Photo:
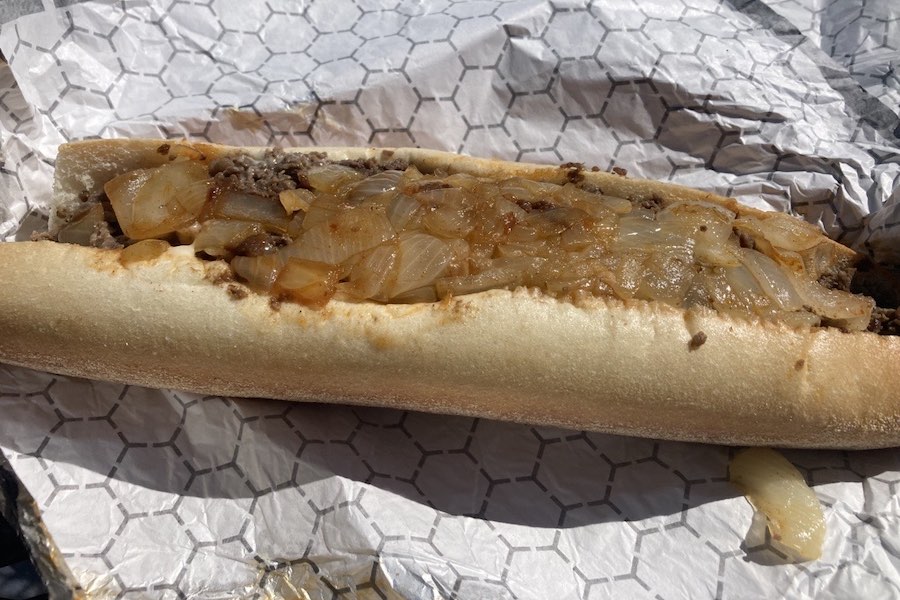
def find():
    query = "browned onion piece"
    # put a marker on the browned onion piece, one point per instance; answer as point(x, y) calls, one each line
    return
point(781, 230)
point(667, 277)
point(325, 207)
point(403, 211)
point(331, 177)
point(296, 200)
point(370, 275)
point(345, 235)
point(521, 189)
point(588, 233)
point(446, 213)
point(421, 259)
point(775, 282)
point(82, 229)
point(386, 181)
point(219, 237)
point(307, 282)
point(620, 206)
point(743, 291)
point(142, 251)
point(491, 279)
point(259, 272)
point(840, 309)
point(425, 293)
point(242, 206)
point(154, 202)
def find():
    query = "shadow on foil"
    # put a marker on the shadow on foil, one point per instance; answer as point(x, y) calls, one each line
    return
point(222, 448)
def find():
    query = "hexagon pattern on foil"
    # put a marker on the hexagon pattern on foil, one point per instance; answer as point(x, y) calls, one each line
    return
point(340, 501)
point(690, 91)
point(346, 502)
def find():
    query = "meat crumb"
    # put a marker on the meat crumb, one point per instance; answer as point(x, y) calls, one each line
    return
point(620, 171)
point(222, 276)
point(164, 149)
point(837, 278)
point(697, 340)
point(574, 173)
point(538, 205)
point(654, 204)
point(885, 321)
point(236, 292)
point(745, 240)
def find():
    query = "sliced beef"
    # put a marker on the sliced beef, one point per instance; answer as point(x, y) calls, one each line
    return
point(275, 172)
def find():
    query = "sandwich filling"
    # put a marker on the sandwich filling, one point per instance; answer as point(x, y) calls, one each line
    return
point(303, 228)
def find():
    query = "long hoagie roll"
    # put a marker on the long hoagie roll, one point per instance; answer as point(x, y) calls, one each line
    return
point(430, 281)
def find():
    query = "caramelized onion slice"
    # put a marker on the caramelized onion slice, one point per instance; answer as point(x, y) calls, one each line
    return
point(774, 280)
point(777, 489)
point(840, 309)
point(259, 272)
point(296, 200)
point(242, 206)
point(155, 202)
point(369, 276)
point(219, 237)
point(386, 181)
point(307, 282)
point(331, 177)
point(421, 259)
point(142, 251)
point(497, 278)
point(348, 233)
point(781, 230)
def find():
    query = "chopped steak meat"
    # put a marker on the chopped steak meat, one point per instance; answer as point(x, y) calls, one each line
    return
point(885, 321)
point(274, 173)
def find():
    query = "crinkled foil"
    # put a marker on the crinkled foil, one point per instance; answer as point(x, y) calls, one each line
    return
point(789, 105)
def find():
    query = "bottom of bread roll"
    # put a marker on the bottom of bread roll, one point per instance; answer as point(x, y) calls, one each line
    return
point(636, 369)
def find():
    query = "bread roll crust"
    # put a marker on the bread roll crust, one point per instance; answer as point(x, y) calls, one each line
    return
point(602, 364)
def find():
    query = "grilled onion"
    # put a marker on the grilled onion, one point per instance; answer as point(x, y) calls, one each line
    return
point(345, 235)
point(837, 308)
point(331, 177)
point(421, 259)
point(774, 281)
point(386, 181)
point(143, 250)
point(401, 236)
point(777, 489)
point(259, 272)
point(781, 230)
point(296, 199)
point(307, 282)
point(219, 237)
point(154, 202)
point(242, 206)
point(369, 276)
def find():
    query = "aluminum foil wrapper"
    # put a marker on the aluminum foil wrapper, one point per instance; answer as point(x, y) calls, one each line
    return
point(790, 105)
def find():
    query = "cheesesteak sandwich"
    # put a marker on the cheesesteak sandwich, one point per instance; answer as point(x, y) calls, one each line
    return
point(431, 281)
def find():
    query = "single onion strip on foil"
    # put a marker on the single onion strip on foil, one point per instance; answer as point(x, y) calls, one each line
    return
point(777, 489)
